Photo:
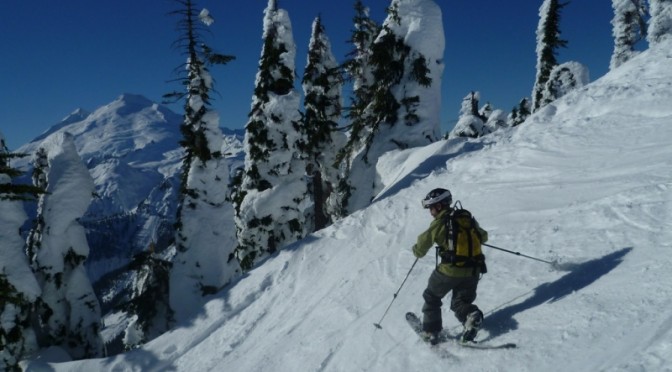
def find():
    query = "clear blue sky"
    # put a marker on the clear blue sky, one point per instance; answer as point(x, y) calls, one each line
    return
point(58, 56)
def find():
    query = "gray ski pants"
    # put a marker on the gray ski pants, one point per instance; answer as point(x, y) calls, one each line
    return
point(461, 303)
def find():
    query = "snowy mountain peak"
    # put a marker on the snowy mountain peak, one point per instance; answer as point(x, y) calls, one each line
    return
point(128, 103)
point(78, 115)
point(134, 99)
point(120, 128)
point(74, 117)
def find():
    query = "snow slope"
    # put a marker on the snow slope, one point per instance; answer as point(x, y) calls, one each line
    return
point(586, 181)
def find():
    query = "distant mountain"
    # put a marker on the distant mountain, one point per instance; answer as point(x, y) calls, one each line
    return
point(74, 117)
point(131, 147)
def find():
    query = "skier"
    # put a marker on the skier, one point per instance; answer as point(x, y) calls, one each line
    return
point(457, 275)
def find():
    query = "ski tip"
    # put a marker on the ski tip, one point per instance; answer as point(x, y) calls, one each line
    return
point(508, 345)
point(486, 346)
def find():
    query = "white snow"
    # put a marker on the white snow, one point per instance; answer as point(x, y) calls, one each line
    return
point(586, 181)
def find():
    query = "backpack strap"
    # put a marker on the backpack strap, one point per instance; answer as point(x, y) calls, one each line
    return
point(448, 255)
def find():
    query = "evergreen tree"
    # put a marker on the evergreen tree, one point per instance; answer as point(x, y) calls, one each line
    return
point(548, 41)
point(272, 195)
point(399, 69)
point(359, 71)
point(519, 113)
point(205, 234)
point(563, 79)
point(629, 27)
point(496, 120)
point(18, 287)
point(660, 24)
point(39, 177)
point(322, 86)
point(485, 111)
point(150, 311)
point(67, 309)
point(8, 190)
point(403, 83)
point(470, 123)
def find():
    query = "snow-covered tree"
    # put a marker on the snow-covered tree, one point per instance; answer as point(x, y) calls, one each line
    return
point(476, 122)
point(519, 113)
point(485, 111)
point(67, 309)
point(497, 119)
point(8, 190)
point(39, 177)
point(548, 41)
point(322, 85)
point(471, 122)
point(629, 27)
point(272, 196)
point(564, 78)
point(358, 70)
point(660, 24)
point(205, 233)
point(18, 287)
point(406, 61)
point(148, 306)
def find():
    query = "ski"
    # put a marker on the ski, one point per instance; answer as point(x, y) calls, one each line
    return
point(476, 345)
point(416, 324)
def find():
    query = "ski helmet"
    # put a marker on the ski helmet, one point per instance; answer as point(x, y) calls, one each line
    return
point(437, 196)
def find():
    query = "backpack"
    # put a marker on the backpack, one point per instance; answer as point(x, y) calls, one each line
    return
point(464, 240)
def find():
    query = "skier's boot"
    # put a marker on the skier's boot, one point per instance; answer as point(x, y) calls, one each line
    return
point(431, 337)
point(471, 326)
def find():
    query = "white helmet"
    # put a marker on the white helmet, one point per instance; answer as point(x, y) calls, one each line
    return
point(437, 196)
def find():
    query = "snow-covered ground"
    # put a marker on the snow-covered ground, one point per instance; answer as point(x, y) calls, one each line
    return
point(587, 181)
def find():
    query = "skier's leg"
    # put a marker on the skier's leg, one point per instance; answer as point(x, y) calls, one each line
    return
point(437, 287)
point(463, 297)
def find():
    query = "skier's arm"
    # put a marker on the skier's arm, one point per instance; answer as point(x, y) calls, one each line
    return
point(423, 244)
point(426, 239)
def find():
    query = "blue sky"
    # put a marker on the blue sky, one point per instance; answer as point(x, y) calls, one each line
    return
point(62, 55)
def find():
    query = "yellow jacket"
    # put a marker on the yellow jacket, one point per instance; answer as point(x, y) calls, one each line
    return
point(436, 234)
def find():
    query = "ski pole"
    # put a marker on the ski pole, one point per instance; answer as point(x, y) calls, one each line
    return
point(377, 325)
point(520, 254)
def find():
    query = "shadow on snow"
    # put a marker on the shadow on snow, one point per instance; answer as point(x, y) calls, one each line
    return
point(581, 275)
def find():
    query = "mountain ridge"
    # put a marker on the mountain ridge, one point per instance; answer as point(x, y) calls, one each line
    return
point(131, 148)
